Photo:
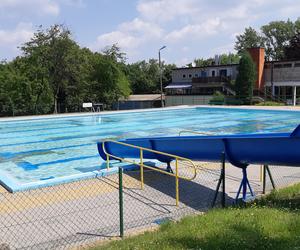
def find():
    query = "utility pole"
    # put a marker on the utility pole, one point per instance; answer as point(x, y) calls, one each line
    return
point(160, 69)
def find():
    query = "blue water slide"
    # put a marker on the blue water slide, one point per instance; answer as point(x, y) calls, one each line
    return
point(240, 150)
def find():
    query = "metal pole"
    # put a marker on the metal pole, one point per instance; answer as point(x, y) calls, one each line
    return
point(271, 178)
point(121, 202)
point(294, 96)
point(160, 77)
point(221, 181)
point(264, 179)
point(223, 184)
point(177, 183)
point(142, 169)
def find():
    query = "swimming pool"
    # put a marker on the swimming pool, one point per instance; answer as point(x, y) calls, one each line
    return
point(40, 152)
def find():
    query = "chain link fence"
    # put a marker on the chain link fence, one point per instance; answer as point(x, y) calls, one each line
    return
point(87, 211)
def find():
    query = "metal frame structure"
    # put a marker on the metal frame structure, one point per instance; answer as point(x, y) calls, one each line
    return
point(142, 165)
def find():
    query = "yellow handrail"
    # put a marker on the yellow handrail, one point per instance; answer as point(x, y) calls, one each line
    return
point(193, 132)
point(142, 165)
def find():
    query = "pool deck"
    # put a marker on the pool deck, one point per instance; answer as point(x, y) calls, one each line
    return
point(85, 211)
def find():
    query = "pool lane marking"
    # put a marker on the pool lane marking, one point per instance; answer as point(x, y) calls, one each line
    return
point(10, 155)
point(27, 166)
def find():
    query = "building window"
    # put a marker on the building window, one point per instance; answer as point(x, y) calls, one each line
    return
point(297, 64)
point(203, 73)
point(196, 75)
point(190, 75)
point(223, 72)
point(213, 73)
point(183, 76)
point(287, 65)
point(277, 66)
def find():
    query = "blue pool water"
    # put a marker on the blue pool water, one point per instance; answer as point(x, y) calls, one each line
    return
point(40, 152)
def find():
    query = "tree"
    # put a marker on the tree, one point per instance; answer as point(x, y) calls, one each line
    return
point(52, 51)
point(108, 81)
point(292, 51)
point(274, 37)
point(245, 79)
point(229, 58)
point(249, 39)
point(277, 35)
point(201, 62)
point(115, 53)
point(144, 76)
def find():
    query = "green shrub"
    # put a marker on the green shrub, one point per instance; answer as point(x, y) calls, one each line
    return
point(269, 104)
point(233, 101)
point(218, 98)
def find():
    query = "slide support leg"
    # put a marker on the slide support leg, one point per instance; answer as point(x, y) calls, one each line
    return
point(221, 181)
point(271, 177)
point(264, 179)
point(169, 169)
point(245, 184)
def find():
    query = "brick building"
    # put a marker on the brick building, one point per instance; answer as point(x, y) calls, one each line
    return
point(276, 80)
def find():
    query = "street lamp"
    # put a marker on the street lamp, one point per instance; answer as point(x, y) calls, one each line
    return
point(161, 87)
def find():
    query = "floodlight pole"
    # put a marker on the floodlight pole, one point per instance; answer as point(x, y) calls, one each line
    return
point(160, 69)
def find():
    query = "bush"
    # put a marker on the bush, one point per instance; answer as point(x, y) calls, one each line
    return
point(233, 101)
point(218, 99)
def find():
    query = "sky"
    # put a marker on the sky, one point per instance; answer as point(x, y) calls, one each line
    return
point(188, 28)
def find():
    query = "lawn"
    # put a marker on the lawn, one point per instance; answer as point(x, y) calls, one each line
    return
point(270, 223)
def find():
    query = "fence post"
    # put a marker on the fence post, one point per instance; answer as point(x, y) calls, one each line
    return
point(121, 202)
point(264, 179)
point(223, 184)
point(142, 168)
point(177, 183)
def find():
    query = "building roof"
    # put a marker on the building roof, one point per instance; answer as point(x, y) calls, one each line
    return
point(209, 66)
point(282, 61)
point(146, 97)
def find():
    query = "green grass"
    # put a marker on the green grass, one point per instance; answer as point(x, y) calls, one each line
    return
point(269, 223)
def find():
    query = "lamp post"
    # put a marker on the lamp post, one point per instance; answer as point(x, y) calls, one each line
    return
point(160, 69)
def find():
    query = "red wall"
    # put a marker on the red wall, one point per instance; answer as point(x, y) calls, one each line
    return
point(258, 56)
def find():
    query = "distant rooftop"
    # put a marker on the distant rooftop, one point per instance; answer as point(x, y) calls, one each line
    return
point(209, 66)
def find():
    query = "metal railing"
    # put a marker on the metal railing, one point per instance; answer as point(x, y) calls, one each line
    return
point(142, 165)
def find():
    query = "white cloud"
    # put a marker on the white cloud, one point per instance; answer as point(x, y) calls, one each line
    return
point(11, 39)
point(76, 3)
point(125, 41)
point(141, 28)
point(23, 32)
point(34, 6)
point(223, 49)
point(166, 10)
point(192, 31)
point(129, 35)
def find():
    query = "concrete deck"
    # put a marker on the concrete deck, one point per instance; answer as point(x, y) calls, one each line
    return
point(86, 211)
point(33, 117)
